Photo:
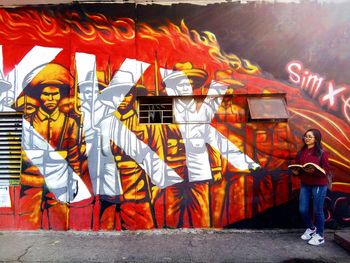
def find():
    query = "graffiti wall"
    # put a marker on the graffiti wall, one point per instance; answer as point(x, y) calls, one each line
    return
point(142, 116)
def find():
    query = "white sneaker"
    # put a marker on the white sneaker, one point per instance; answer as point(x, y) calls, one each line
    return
point(316, 240)
point(308, 234)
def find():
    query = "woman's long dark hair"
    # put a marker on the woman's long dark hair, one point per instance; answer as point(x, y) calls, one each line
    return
point(318, 139)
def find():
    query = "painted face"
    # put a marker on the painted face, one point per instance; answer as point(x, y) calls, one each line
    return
point(309, 139)
point(87, 94)
point(184, 87)
point(29, 108)
point(122, 102)
point(49, 98)
point(117, 100)
point(126, 103)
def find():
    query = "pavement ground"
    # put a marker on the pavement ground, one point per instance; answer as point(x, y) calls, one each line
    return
point(181, 245)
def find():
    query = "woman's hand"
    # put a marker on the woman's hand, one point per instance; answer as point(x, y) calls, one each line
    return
point(309, 169)
point(295, 171)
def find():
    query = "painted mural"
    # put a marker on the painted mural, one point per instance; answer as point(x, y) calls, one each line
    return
point(78, 73)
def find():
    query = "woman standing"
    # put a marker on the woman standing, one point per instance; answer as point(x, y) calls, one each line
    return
point(313, 186)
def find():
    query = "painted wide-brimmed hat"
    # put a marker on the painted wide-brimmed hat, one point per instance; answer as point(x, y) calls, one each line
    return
point(26, 104)
point(50, 74)
point(89, 80)
point(120, 84)
point(185, 70)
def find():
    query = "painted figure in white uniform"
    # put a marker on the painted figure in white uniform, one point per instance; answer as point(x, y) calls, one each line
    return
point(127, 159)
point(193, 118)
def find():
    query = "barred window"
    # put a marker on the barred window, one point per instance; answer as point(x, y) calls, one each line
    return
point(10, 147)
point(155, 110)
point(268, 108)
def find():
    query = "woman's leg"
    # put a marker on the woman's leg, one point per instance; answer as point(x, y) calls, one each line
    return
point(304, 205)
point(319, 195)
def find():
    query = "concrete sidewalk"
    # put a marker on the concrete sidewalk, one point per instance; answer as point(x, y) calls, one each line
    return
point(185, 245)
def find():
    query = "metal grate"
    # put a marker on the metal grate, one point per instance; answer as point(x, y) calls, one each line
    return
point(156, 110)
point(10, 147)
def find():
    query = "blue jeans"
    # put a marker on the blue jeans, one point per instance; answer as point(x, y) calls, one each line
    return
point(317, 194)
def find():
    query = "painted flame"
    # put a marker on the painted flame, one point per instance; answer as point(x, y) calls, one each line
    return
point(64, 27)
point(29, 24)
point(202, 50)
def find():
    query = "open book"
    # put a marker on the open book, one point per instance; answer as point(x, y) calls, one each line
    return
point(309, 168)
